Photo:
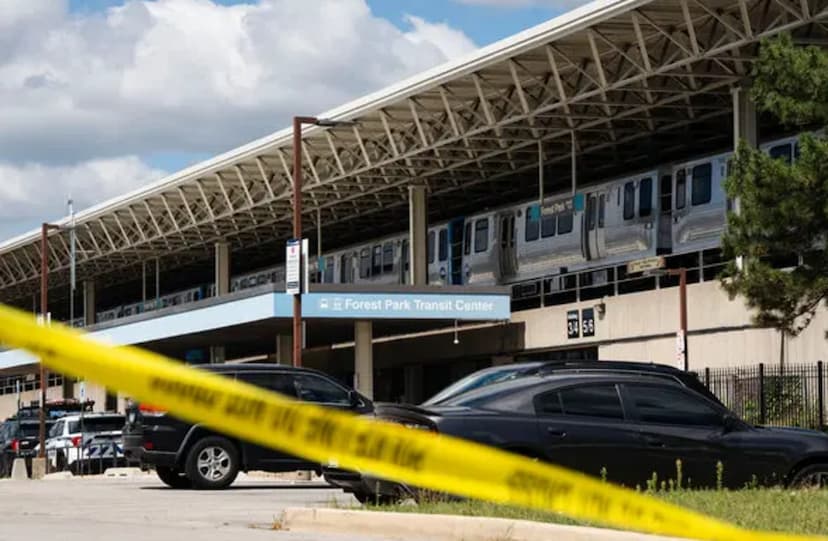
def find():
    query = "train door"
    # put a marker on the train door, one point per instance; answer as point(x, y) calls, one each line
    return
point(665, 217)
point(507, 248)
point(592, 227)
point(699, 204)
point(456, 252)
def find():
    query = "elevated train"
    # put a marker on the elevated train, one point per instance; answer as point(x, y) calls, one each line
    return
point(672, 210)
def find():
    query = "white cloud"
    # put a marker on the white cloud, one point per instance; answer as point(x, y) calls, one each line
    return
point(185, 76)
point(32, 192)
point(554, 4)
point(192, 75)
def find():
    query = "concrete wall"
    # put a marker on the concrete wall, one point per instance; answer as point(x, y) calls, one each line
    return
point(642, 326)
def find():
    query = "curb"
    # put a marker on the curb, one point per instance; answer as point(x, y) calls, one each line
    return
point(445, 527)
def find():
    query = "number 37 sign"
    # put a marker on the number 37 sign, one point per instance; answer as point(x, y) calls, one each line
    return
point(580, 323)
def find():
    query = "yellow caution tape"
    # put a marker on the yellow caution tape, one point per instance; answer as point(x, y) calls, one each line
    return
point(386, 450)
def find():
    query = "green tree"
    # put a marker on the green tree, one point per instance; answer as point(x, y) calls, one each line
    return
point(783, 208)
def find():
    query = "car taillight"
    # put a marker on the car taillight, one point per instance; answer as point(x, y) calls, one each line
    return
point(148, 445)
point(15, 445)
point(146, 409)
point(76, 441)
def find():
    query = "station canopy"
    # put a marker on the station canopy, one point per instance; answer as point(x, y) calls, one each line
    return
point(631, 78)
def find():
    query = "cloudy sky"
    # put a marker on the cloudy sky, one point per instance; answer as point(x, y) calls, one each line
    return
point(100, 96)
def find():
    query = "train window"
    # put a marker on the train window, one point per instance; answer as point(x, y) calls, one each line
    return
point(481, 235)
point(702, 184)
point(532, 226)
point(601, 213)
point(781, 151)
point(376, 260)
point(681, 189)
point(343, 269)
point(565, 222)
point(796, 151)
point(329, 270)
point(467, 233)
point(405, 253)
point(591, 213)
point(629, 201)
point(365, 263)
point(430, 247)
point(388, 257)
point(548, 226)
point(645, 197)
point(443, 245)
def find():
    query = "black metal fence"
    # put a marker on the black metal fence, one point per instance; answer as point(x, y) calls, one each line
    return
point(790, 395)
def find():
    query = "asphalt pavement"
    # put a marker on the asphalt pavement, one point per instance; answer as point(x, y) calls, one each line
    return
point(142, 509)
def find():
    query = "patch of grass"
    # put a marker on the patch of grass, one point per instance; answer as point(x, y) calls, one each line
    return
point(778, 510)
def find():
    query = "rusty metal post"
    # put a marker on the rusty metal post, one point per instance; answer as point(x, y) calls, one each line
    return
point(683, 315)
point(297, 227)
point(44, 308)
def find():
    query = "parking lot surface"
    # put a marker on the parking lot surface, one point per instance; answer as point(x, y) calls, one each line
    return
point(141, 509)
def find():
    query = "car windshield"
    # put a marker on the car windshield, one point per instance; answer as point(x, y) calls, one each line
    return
point(31, 430)
point(476, 380)
point(97, 424)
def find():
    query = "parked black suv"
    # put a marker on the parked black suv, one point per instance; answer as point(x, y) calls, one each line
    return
point(624, 427)
point(19, 438)
point(193, 456)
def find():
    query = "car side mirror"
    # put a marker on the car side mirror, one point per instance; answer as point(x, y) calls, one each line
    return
point(730, 422)
point(354, 398)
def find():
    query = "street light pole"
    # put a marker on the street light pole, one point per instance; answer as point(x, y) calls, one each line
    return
point(682, 274)
point(44, 309)
point(298, 121)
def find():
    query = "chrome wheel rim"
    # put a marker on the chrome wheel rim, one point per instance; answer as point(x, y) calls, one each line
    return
point(213, 463)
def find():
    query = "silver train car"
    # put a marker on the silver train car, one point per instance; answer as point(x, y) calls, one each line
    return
point(672, 209)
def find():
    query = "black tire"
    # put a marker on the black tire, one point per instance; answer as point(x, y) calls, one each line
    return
point(60, 461)
point(212, 463)
point(367, 498)
point(173, 478)
point(814, 476)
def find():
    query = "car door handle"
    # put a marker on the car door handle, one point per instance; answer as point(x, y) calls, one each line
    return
point(654, 442)
point(555, 433)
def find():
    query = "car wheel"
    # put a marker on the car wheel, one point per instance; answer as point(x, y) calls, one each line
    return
point(366, 498)
point(173, 478)
point(60, 461)
point(212, 463)
point(814, 476)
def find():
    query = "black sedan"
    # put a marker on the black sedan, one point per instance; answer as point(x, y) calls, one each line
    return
point(627, 428)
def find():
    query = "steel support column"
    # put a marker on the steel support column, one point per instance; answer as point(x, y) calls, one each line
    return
point(418, 234)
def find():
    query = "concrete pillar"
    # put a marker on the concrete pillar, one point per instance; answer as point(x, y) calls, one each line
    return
point(89, 302)
point(413, 383)
point(364, 358)
point(284, 349)
point(222, 272)
point(217, 355)
point(418, 235)
point(744, 117)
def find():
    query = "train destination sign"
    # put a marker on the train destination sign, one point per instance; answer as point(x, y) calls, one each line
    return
point(563, 206)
